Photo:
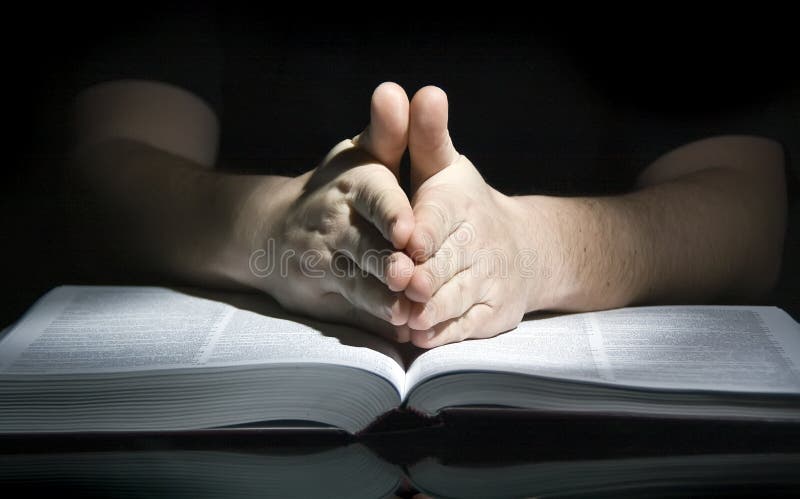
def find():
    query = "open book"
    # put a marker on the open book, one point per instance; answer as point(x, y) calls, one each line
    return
point(145, 358)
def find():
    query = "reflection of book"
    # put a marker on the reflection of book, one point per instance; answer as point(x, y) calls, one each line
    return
point(351, 471)
point(130, 358)
point(675, 476)
point(354, 472)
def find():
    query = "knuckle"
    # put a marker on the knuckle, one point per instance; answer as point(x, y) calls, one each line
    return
point(429, 315)
point(333, 217)
point(425, 246)
point(329, 224)
point(345, 184)
point(428, 281)
point(332, 196)
point(346, 239)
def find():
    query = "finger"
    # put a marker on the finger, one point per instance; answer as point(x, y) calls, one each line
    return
point(376, 196)
point(429, 144)
point(452, 300)
point(435, 218)
point(429, 276)
point(363, 244)
point(475, 323)
point(336, 308)
point(367, 293)
point(386, 136)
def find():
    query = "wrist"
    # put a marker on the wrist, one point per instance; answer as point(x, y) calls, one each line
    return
point(257, 218)
point(542, 264)
point(588, 254)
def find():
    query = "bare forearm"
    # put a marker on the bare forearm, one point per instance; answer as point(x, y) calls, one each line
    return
point(706, 235)
point(162, 213)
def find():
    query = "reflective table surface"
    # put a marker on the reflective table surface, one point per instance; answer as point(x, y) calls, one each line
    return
point(465, 454)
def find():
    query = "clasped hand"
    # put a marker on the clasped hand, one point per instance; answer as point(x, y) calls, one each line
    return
point(346, 244)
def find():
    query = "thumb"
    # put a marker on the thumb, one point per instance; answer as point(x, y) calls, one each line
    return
point(429, 143)
point(386, 136)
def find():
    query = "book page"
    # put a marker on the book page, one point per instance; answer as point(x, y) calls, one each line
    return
point(755, 349)
point(99, 329)
point(561, 346)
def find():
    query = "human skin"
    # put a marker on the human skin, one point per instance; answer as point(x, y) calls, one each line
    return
point(705, 223)
point(145, 153)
